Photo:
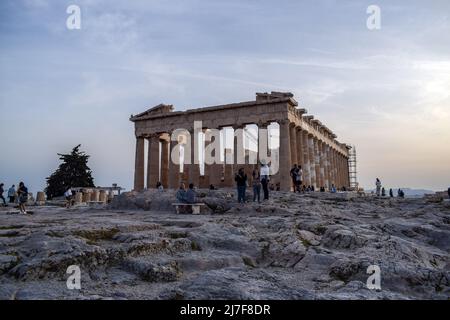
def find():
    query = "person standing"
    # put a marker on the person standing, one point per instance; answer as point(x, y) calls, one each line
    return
point(241, 182)
point(264, 176)
point(383, 192)
point(448, 191)
point(1, 194)
point(23, 197)
point(293, 173)
point(68, 195)
point(12, 194)
point(378, 186)
point(256, 185)
point(391, 193)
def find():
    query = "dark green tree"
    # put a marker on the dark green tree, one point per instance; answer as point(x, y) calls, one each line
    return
point(72, 172)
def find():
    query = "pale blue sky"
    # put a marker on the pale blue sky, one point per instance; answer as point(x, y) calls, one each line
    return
point(386, 91)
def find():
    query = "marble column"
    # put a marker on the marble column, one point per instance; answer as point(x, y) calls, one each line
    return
point(327, 166)
point(174, 169)
point(321, 148)
point(293, 143)
point(139, 165)
point(312, 161)
point(299, 146)
point(285, 156)
point(153, 161)
point(317, 163)
point(194, 168)
point(306, 166)
point(165, 163)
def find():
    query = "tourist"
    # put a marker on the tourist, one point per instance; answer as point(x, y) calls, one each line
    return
point(299, 181)
point(383, 192)
point(241, 182)
point(293, 173)
point(256, 181)
point(378, 186)
point(391, 193)
point(181, 193)
point(322, 189)
point(12, 194)
point(333, 188)
point(23, 197)
point(211, 187)
point(68, 195)
point(265, 177)
point(312, 188)
point(159, 186)
point(191, 195)
point(400, 193)
point(1, 194)
point(448, 191)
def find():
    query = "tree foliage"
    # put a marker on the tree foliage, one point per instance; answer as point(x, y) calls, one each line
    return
point(72, 172)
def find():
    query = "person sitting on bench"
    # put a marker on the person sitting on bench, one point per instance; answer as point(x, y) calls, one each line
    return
point(181, 193)
point(191, 195)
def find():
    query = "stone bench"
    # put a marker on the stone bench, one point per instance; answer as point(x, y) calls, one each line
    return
point(194, 206)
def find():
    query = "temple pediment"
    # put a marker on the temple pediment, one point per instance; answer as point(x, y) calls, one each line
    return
point(157, 110)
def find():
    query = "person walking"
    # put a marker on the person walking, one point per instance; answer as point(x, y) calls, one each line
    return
point(256, 185)
point(23, 197)
point(241, 182)
point(12, 194)
point(378, 187)
point(264, 176)
point(1, 194)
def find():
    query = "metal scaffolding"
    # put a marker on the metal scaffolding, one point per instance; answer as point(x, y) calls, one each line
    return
point(352, 171)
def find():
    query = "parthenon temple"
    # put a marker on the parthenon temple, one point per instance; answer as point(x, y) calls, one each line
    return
point(302, 140)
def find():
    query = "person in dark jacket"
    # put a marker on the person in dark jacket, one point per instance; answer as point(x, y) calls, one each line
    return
point(191, 195)
point(1, 194)
point(23, 197)
point(241, 182)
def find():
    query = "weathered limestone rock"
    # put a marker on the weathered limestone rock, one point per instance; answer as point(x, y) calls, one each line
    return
point(312, 246)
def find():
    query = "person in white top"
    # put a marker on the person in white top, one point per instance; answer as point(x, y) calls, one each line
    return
point(68, 195)
point(265, 177)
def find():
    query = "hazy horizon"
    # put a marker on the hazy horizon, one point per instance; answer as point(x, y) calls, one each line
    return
point(385, 91)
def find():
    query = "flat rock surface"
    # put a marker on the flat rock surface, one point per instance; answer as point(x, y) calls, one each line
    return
point(312, 246)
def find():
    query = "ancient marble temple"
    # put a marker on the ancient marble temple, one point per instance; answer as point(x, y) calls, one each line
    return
point(303, 140)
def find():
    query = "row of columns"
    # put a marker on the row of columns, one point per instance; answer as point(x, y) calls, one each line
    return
point(322, 165)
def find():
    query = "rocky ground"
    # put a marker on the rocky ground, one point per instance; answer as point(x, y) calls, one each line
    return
point(315, 246)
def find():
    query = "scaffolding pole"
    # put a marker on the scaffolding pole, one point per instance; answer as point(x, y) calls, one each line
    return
point(352, 169)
